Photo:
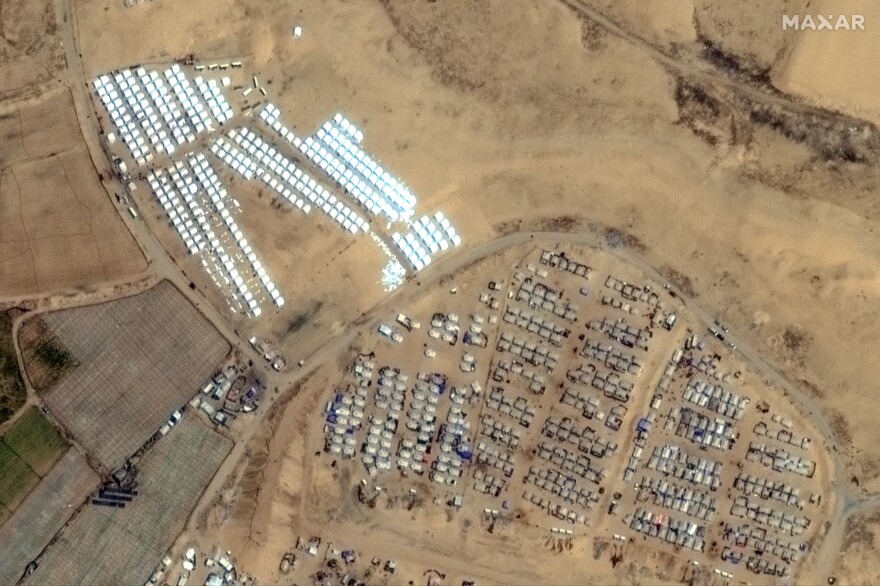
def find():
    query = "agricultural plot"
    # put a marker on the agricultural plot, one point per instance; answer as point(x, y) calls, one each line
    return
point(28, 450)
point(60, 227)
point(35, 441)
point(139, 359)
point(43, 513)
point(16, 479)
point(107, 545)
point(45, 357)
point(12, 390)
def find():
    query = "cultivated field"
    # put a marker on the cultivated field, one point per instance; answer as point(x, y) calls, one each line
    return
point(12, 389)
point(139, 358)
point(105, 545)
point(28, 451)
point(45, 358)
point(16, 481)
point(61, 230)
point(43, 513)
point(36, 442)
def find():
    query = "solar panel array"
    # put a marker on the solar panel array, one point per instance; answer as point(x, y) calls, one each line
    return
point(152, 119)
point(204, 216)
point(427, 236)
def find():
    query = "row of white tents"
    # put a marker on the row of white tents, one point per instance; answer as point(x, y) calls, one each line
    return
point(336, 150)
point(287, 180)
point(427, 236)
point(234, 158)
point(125, 122)
point(156, 113)
point(151, 119)
point(195, 200)
point(213, 95)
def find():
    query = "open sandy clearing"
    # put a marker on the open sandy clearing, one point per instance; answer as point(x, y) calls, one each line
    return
point(30, 48)
point(834, 68)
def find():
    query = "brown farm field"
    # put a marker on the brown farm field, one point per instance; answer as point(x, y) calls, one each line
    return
point(43, 513)
point(45, 358)
point(740, 160)
point(61, 230)
point(138, 359)
point(123, 545)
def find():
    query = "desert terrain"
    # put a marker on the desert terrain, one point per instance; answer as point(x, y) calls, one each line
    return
point(732, 161)
point(61, 231)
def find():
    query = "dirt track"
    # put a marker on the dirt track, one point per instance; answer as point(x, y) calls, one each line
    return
point(696, 68)
point(162, 264)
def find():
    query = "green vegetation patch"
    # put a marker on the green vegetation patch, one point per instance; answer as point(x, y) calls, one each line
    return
point(54, 355)
point(16, 478)
point(28, 450)
point(46, 359)
point(35, 441)
point(12, 389)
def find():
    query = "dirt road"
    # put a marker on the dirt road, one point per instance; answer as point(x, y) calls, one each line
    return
point(162, 265)
point(844, 505)
point(695, 68)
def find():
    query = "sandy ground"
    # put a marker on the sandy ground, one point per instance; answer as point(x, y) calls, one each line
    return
point(508, 115)
point(858, 563)
point(750, 30)
point(286, 488)
point(61, 231)
point(665, 22)
point(834, 68)
point(30, 52)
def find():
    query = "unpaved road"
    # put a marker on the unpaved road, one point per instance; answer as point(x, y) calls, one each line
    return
point(845, 504)
point(694, 67)
point(162, 264)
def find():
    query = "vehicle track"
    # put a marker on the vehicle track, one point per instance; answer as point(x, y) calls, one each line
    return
point(694, 67)
point(847, 503)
